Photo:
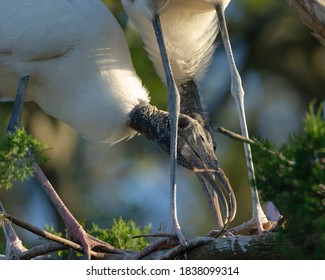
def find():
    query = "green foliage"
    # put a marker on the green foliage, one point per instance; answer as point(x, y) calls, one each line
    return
point(51, 229)
point(121, 233)
point(294, 180)
point(18, 152)
point(60, 254)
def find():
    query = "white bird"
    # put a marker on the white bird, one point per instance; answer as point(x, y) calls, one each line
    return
point(189, 29)
point(71, 58)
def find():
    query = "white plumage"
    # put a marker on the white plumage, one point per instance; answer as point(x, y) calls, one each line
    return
point(190, 29)
point(67, 68)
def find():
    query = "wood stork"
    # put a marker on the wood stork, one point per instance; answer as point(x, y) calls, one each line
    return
point(189, 29)
point(71, 58)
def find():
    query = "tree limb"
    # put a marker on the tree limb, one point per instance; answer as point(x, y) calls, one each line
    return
point(239, 247)
point(65, 243)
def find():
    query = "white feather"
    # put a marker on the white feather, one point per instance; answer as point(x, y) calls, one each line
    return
point(78, 61)
point(190, 29)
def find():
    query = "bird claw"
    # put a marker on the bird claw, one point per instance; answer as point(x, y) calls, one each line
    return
point(169, 239)
point(254, 225)
point(89, 242)
point(260, 222)
point(14, 245)
point(180, 237)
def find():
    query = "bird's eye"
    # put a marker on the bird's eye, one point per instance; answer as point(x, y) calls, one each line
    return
point(214, 145)
point(183, 123)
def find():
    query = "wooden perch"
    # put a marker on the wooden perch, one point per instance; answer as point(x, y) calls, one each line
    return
point(58, 243)
point(239, 247)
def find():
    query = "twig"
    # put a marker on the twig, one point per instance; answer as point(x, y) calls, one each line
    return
point(235, 135)
point(41, 251)
point(241, 138)
point(160, 234)
point(49, 236)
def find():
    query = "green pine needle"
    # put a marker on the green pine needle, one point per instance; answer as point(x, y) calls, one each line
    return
point(296, 186)
point(121, 233)
point(18, 152)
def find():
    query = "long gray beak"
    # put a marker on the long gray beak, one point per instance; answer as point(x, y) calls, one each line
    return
point(194, 151)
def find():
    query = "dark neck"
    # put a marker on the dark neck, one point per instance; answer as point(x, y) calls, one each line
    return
point(194, 143)
point(151, 123)
point(190, 101)
point(191, 105)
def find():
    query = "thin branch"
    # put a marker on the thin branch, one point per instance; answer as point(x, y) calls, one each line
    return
point(41, 251)
point(49, 236)
point(235, 136)
point(238, 137)
point(160, 234)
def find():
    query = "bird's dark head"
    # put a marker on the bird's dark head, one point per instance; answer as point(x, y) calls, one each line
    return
point(195, 149)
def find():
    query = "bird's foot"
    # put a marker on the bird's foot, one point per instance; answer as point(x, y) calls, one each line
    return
point(260, 222)
point(166, 240)
point(14, 245)
point(215, 233)
point(180, 236)
point(77, 234)
point(254, 225)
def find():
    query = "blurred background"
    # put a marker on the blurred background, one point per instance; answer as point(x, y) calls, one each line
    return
point(283, 69)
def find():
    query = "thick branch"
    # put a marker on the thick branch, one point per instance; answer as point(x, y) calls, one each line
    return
point(49, 236)
point(240, 247)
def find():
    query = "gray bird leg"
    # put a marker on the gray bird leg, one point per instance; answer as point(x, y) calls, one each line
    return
point(238, 93)
point(174, 109)
point(17, 110)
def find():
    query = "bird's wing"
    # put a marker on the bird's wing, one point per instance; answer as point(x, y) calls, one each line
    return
point(38, 29)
